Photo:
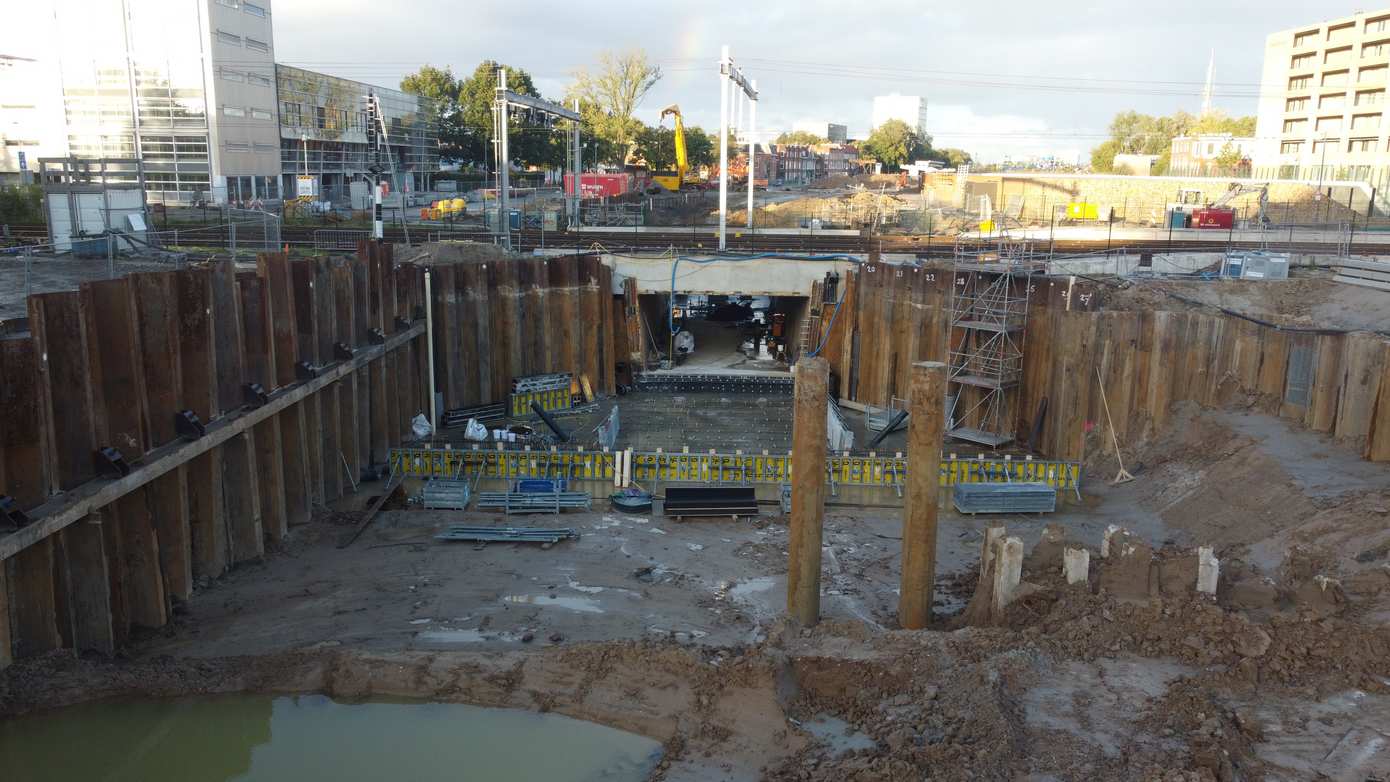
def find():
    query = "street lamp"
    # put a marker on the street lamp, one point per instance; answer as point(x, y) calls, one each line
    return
point(1322, 166)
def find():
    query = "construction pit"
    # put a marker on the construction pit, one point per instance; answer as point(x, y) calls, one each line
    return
point(1220, 616)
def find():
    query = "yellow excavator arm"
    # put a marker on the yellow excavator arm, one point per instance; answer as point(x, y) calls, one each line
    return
point(682, 162)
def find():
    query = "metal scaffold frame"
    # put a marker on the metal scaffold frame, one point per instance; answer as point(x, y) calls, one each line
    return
point(989, 316)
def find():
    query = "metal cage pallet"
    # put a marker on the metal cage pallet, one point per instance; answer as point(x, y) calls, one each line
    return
point(534, 502)
point(1005, 498)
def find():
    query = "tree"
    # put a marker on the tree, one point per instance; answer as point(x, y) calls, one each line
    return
point(894, 143)
point(528, 144)
point(1103, 156)
point(656, 147)
point(701, 148)
point(611, 91)
point(1229, 162)
point(800, 137)
point(442, 90)
point(1141, 134)
point(955, 158)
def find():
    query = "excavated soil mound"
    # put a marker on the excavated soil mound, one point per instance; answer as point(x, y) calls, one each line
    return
point(455, 252)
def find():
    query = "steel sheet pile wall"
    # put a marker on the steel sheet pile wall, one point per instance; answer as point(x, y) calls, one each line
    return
point(498, 320)
point(890, 317)
point(114, 362)
point(1329, 382)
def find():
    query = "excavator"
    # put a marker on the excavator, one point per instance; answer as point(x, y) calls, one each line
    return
point(673, 181)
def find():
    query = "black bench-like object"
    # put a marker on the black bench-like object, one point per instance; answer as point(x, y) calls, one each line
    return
point(734, 501)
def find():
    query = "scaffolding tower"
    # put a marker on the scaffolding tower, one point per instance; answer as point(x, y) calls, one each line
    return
point(989, 316)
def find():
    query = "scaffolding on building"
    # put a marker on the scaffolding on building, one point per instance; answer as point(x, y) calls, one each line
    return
point(989, 317)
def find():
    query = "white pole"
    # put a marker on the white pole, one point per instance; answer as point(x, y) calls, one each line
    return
point(752, 151)
point(429, 351)
point(724, 66)
point(578, 170)
point(504, 180)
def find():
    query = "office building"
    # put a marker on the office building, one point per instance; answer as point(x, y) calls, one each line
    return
point(1323, 100)
point(911, 109)
point(191, 89)
point(187, 87)
point(323, 130)
point(835, 134)
point(31, 123)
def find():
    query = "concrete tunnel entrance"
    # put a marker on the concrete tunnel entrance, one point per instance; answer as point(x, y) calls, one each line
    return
point(723, 333)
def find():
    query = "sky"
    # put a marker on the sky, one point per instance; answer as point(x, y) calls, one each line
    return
point(1006, 78)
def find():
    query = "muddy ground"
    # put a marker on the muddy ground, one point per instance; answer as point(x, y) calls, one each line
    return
point(675, 631)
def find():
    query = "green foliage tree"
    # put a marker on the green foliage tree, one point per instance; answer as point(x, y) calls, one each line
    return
point(610, 92)
point(701, 148)
point(1229, 161)
point(894, 143)
point(800, 137)
point(528, 144)
point(442, 89)
point(655, 146)
point(21, 204)
point(1103, 156)
point(1142, 134)
point(955, 158)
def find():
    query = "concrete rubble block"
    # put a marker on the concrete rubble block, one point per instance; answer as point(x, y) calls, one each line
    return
point(1321, 596)
point(1008, 572)
point(1047, 554)
point(1208, 570)
point(1253, 593)
point(1177, 574)
point(1126, 573)
point(980, 609)
point(1110, 533)
point(1076, 565)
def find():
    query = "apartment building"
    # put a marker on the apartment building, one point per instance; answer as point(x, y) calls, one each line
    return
point(835, 159)
point(1322, 105)
point(796, 164)
point(1202, 154)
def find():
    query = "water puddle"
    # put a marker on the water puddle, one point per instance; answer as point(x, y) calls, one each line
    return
point(260, 738)
point(584, 605)
point(837, 734)
point(455, 637)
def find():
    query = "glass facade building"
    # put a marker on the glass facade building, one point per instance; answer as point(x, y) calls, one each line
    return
point(180, 84)
point(323, 132)
point(191, 89)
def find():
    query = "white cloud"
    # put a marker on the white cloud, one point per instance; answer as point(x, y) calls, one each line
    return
point(991, 137)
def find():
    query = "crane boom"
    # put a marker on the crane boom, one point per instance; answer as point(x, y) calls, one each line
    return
point(674, 181)
point(682, 162)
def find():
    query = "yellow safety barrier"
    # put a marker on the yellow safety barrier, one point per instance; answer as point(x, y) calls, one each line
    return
point(881, 471)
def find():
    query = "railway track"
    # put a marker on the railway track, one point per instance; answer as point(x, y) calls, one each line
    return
point(618, 240)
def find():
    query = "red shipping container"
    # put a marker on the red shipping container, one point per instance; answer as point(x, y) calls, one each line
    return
point(1214, 218)
point(599, 185)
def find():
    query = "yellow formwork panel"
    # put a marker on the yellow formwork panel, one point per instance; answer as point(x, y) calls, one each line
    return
point(718, 468)
point(550, 401)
